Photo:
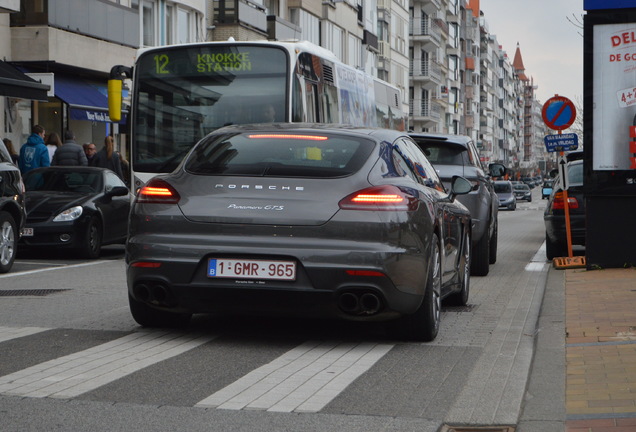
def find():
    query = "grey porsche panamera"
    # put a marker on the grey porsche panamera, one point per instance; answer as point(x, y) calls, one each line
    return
point(310, 220)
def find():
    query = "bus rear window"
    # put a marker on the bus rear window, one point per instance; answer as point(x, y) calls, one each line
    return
point(279, 155)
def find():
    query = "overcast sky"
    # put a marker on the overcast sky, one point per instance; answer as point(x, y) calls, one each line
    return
point(551, 46)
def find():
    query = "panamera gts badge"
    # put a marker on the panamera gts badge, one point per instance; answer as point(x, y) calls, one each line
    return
point(269, 207)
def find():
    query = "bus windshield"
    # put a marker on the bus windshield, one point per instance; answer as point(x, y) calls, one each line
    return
point(183, 94)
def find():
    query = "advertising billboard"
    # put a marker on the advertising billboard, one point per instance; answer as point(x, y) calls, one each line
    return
point(614, 96)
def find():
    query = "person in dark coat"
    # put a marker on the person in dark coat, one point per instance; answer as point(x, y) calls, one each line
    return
point(34, 154)
point(71, 153)
point(90, 150)
point(14, 155)
point(107, 157)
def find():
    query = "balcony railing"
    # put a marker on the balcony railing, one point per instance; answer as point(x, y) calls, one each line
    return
point(423, 109)
point(425, 27)
point(86, 17)
point(240, 11)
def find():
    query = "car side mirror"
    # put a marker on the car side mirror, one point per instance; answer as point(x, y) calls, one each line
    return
point(460, 186)
point(117, 191)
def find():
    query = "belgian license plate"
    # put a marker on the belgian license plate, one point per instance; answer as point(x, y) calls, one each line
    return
point(27, 232)
point(251, 269)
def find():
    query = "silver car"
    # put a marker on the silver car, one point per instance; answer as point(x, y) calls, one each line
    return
point(326, 221)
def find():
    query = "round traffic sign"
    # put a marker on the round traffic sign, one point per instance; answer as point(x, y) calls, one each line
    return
point(558, 113)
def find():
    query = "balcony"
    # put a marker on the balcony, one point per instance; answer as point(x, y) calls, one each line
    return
point(426, 72)
point(426, 31)
point(280, 29)
point(423, 110)
point(84, 17)
point(244, 12)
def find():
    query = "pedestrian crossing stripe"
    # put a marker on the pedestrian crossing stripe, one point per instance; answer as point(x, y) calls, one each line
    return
point(8, 333)
point(304, 379)
point(72, 375)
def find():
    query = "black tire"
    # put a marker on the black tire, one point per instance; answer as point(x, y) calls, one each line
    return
point(8, 241)
point(423, 325)
point(92, 240)
point(460, 298)
point(494, 239)
point(553, 249)
point(146, 316)
point(480, 265)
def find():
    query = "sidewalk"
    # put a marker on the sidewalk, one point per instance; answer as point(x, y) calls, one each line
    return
point(600, 348)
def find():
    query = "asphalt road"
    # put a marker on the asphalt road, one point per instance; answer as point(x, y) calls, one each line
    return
point(73, 359)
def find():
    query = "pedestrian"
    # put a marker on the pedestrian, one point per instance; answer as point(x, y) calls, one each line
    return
point(53, 142)
point(9, 145)
point(71, 153)
point(90, 150)
point(125, 169)
point(34, 154)
point(107, 157)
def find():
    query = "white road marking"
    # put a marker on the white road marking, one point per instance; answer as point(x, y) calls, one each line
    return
point(78, 373)
point(28, 272)
point(304, 379)
point(8, 333)
point(538, 261)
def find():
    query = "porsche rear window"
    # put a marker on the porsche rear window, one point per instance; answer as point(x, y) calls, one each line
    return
point(280, 155)
point(444, 154)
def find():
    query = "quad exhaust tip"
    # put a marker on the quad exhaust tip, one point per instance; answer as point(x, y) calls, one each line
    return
point(365, 303)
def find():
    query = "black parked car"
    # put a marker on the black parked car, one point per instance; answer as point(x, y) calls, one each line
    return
point(457, 155)
point(522, 192)
point(76, 208)
point(554, 215)
point(12, 213)
point(310, 220)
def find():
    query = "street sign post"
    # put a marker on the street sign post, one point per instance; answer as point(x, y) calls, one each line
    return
point(563, 173)
point(561, 142)
point(559, 113)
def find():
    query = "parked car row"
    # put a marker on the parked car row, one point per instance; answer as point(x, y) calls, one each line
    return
point(79, 209)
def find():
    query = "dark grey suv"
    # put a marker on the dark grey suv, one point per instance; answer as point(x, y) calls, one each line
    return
point(457, 155)
point(12, 215)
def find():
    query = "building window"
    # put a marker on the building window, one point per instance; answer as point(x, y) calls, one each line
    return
point(169, 25)
point(309, 24)
point(148, 24)
point(184, 35)
point(354, 51)
point(453, 66)
point(453, 35)
point(333, 39)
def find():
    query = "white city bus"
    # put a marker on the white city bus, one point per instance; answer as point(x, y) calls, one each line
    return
point(182, 92)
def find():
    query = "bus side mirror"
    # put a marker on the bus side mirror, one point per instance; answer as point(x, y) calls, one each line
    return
point(114, 99)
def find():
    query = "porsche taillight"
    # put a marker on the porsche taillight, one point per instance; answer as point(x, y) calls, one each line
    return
point(559, 202)
point(379, 198)
point(158, 191)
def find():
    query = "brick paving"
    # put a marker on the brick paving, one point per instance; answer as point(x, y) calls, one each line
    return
point(600, 308)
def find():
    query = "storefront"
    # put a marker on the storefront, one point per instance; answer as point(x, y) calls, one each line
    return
point(16, 90)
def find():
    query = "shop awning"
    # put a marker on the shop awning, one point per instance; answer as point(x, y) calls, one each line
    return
point(85, 100)
point(14, 83)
